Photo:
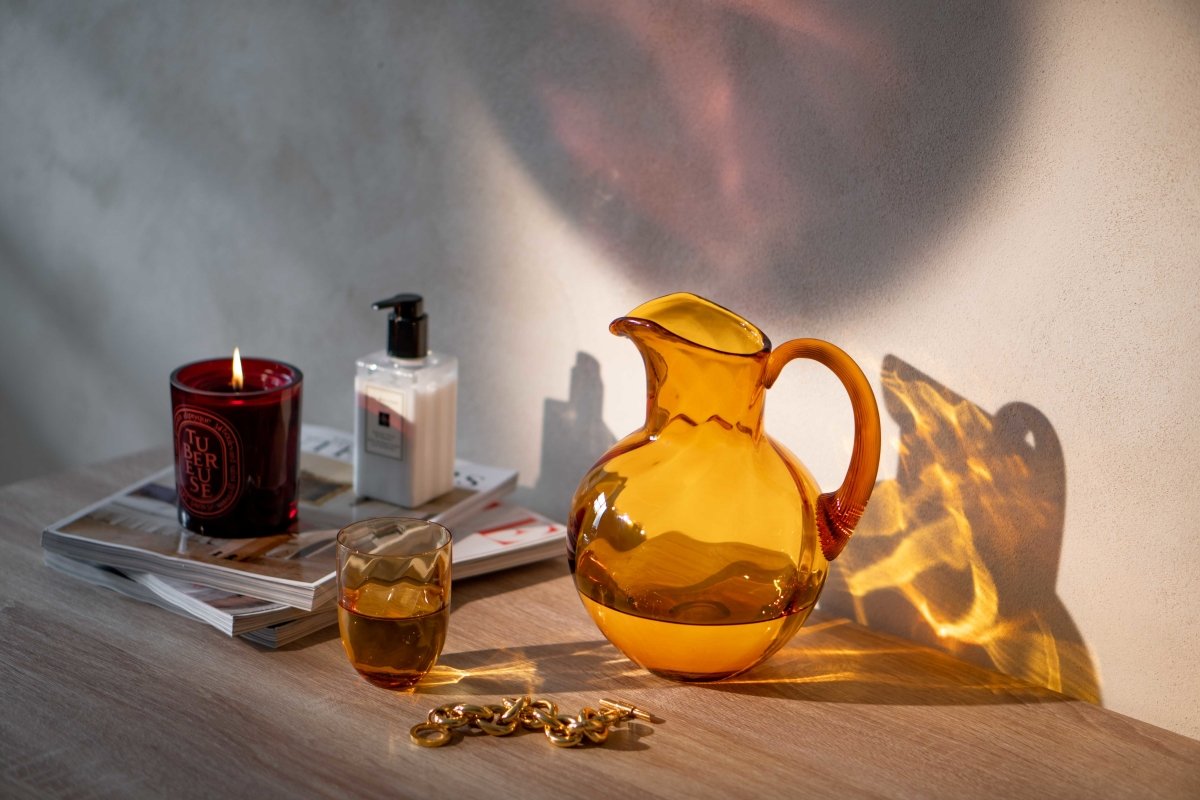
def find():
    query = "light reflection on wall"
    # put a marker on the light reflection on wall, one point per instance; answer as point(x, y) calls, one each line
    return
point(961, 550)
point(757, 145)
point(706, 164)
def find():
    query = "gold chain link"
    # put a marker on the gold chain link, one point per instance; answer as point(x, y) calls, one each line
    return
point(504, 718)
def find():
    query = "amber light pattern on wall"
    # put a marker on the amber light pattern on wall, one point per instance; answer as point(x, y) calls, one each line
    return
point(961, 549)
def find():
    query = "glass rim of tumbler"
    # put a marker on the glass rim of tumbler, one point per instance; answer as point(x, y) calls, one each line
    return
point(445, 537)
point(296, 378)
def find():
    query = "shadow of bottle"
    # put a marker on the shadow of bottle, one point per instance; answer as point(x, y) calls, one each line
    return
point(961, 550)
point(573, 437)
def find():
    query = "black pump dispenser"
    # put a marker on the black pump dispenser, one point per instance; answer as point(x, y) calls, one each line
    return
point(407, 335)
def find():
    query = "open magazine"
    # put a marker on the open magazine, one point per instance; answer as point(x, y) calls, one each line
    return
point(137, 529)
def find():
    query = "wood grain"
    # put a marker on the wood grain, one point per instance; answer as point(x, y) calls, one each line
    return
point(105, 696)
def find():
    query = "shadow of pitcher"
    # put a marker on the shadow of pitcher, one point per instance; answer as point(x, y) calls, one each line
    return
point(961, 550)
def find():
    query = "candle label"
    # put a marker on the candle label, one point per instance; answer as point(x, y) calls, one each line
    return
point(383, 430)
point(209, 452)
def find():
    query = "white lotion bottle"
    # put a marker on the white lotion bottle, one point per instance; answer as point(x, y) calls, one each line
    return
point(406, 400)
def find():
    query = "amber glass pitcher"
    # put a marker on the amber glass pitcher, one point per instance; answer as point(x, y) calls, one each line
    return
point(698, 543)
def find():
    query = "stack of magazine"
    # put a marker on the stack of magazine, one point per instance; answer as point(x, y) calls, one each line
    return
point(273, 590)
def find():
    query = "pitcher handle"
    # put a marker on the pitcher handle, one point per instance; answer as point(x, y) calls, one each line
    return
point(838, 512)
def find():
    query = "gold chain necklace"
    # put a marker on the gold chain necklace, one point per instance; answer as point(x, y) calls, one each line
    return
point(512, 713)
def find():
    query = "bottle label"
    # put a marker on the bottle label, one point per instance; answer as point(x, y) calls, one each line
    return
point(208, 470)
point(383, 426)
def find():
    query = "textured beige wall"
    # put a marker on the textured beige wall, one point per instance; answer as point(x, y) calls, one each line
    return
point(995, 210)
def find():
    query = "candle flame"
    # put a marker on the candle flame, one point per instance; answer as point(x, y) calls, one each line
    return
point(237, 370)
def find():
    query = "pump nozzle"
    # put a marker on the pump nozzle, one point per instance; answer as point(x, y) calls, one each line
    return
point(406, 325)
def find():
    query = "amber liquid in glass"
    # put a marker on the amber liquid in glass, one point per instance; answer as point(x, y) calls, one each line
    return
point(716, 622)
point(392, 644)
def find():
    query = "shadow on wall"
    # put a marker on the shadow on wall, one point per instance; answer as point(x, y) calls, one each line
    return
point(574, 436)
point(789, 147)
point(961, 550)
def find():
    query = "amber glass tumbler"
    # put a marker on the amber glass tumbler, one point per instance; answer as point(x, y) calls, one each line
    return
point(393, 577)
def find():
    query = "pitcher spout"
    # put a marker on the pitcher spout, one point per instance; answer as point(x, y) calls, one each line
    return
point(696, 321)
point(704, 363)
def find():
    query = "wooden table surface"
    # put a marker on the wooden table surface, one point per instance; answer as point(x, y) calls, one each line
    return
point(108, 697)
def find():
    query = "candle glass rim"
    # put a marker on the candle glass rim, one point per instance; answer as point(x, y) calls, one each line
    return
point(296, 378)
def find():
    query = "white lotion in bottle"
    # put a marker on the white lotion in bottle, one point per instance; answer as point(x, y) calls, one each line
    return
point(404, 417)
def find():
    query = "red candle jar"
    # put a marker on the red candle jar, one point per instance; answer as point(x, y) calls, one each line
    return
point(237, 451)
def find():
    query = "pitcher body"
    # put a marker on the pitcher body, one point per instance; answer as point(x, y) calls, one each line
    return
point(698, 544)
